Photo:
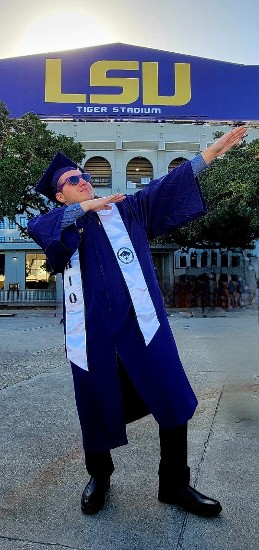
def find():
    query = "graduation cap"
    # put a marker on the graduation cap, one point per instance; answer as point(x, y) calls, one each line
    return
point(47, 185)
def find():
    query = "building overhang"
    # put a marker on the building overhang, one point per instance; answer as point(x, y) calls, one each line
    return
point(126, 82)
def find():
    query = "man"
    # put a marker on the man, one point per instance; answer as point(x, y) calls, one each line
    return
point(123, 356)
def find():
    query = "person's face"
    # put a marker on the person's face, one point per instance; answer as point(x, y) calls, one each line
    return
point(71, 194)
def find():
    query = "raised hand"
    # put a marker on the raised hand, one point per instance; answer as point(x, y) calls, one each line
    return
point(103, 203)
point(224, 143)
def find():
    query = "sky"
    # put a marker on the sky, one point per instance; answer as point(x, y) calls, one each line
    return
point(226, 30)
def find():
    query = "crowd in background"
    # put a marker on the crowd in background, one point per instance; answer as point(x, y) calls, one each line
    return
point(206, 291)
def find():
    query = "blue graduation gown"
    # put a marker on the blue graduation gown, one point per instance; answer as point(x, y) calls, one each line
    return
point(112, 330)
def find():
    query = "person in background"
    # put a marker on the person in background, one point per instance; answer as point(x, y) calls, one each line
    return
point(231, 290)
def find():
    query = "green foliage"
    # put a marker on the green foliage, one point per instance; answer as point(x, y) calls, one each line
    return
point(231, 191)
point(26, 148)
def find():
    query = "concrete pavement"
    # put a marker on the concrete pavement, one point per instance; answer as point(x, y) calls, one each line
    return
point(41, 457)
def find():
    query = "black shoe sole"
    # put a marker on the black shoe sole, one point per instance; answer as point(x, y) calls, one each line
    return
point(91, 511)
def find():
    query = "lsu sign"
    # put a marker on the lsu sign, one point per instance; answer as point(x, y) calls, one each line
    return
point(129, 86)
point(127, 82)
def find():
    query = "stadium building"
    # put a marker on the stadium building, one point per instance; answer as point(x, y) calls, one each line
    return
point(138, 112)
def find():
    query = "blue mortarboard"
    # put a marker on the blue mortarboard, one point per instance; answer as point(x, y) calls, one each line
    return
point(47, 185)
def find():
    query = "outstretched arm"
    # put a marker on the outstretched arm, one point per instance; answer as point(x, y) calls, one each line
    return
point(223, 144)
point(103, 203)
point(75, 211)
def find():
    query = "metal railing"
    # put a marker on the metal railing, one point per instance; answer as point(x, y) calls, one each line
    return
point(28, 296)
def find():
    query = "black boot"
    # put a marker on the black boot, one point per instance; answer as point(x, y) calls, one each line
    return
point(174, 475)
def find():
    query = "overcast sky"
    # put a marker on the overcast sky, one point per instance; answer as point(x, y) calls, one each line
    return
point(217, 29)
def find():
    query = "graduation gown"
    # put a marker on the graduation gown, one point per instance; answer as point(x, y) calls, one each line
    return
point(112, 330)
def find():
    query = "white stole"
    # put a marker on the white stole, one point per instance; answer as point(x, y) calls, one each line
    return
point(132, 273)
point(131, 270)
point(75, 333)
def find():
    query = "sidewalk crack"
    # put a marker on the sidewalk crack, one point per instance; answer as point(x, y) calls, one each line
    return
point(206, 444)
point(179, 545)
point(54, 544)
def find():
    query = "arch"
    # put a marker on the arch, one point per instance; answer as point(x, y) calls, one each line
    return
point(176, 162)
point(100, 170)
point(139, 171)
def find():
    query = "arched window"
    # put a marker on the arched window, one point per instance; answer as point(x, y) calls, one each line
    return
point(176, 162)
point(139, 172)
point(100, 170)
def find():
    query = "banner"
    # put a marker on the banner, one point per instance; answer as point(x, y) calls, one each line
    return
point(119, 81)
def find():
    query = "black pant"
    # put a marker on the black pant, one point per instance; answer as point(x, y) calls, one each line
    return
point(173, 467)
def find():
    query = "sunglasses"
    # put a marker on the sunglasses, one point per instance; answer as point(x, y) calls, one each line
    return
point(74, 180)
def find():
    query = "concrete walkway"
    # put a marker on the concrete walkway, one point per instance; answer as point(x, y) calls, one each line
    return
point(42, 469)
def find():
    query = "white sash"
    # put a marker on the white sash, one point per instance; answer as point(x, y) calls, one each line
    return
point(75, 313)
point(131, 270)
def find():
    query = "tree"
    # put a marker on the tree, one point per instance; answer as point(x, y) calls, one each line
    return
point(26, 148)
point(231, 191)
